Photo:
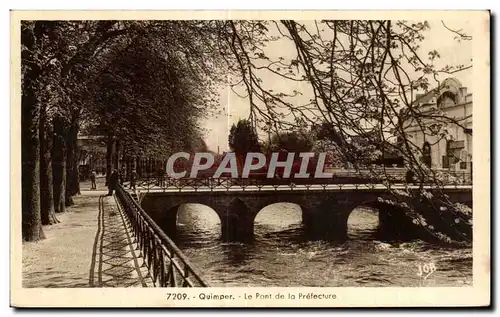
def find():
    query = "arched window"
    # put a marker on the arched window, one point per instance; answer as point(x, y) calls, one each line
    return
point(447, 98)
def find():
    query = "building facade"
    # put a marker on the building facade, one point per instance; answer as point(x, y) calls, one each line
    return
point(451, 150)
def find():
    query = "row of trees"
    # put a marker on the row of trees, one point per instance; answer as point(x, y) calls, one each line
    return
point(243, 139)
point(142, 85)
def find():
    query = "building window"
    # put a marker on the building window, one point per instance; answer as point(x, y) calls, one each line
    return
point(450, 158)
point(426, 154)
point(453, 157)
point(463, 156)
point(446, 162)
point(464, 159)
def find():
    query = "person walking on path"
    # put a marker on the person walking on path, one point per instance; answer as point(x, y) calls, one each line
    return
point(93, 176)
point(133, 179)
point(113, 182)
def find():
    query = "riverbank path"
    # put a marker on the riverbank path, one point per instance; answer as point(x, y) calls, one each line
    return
point(92, 246)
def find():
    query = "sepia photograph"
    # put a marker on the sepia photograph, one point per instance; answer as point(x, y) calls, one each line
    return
point(247, 159)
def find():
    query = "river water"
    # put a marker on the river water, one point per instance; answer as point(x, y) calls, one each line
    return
point(282, 255)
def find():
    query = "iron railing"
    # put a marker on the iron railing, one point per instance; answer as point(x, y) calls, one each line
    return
point(341, 179)
point(166, 263)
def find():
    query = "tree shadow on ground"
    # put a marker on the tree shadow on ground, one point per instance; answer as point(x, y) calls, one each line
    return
point(54, 279)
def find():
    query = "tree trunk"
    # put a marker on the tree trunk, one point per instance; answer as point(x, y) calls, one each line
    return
point(128, 166)
point(91, 161)
point(30, 156)
point(46, 187)
point(138, 166)
point(116, 159)
point(59, 164)
point(72, 175)
point(30, 146)
point(110, 153)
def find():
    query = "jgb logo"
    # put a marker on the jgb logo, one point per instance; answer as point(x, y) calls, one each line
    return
point(426, 269)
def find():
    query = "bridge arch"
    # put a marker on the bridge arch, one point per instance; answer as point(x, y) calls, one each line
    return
point(393, 223)
point(169, 219)
point(363, 220)
point(279, 215)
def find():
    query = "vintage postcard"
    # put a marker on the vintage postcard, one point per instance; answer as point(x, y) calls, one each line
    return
point(250, 158)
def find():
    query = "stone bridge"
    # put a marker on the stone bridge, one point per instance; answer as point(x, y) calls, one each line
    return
point(324, 211)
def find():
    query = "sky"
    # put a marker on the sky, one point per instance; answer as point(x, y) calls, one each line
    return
point(438, 37)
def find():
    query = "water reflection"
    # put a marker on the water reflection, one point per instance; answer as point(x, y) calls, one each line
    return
point(278, 217)
point(362, 223)
point(197, 225)
point(282, 255)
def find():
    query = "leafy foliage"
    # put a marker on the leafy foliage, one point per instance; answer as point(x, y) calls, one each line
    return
point(242, 138)
point(291, 142)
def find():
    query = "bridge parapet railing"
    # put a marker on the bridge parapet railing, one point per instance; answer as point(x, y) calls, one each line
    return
point(168, 266)
point(340, 178)
point(398, 175)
